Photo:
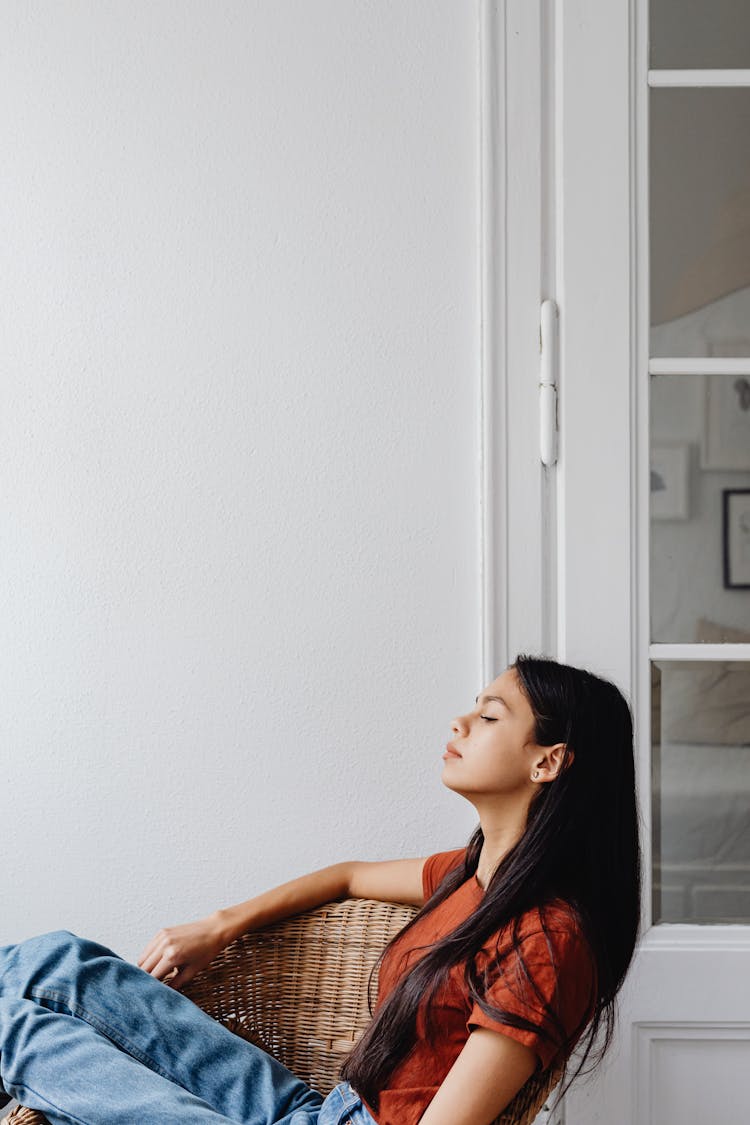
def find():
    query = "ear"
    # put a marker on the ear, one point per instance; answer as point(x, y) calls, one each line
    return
point(550, 761)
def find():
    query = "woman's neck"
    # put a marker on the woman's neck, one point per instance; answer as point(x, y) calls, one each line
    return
point(500, 835)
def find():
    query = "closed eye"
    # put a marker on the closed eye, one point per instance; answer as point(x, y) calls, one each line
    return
point(487, 719)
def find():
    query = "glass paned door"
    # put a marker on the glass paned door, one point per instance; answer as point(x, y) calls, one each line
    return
point(642, 587)
point(699, 446)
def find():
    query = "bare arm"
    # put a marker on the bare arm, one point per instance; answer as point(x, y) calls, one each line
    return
point(189, 948)
point(398, 880)
point(485, 1077)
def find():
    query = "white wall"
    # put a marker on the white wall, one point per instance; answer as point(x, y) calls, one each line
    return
point(238, 446)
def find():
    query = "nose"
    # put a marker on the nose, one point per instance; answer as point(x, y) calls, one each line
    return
point(458, 726)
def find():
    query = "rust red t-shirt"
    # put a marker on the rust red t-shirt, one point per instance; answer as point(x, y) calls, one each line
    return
point(560, 964)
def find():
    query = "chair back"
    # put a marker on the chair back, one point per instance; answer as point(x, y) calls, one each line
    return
point(298, 989)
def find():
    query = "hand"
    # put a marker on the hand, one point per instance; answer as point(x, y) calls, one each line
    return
point(183, 951)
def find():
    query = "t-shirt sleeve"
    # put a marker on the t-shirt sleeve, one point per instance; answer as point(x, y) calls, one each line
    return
point(550, 983)
point(436, 867)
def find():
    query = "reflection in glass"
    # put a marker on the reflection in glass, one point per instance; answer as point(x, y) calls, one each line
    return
point(700, 449)
point(701, 791)
point(700, 221)
point(702, 34)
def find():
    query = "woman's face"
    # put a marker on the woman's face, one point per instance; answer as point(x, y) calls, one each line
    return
point(492, 750)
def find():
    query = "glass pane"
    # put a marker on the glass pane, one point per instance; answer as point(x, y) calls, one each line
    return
point(703, 33)
point(701, 791)
point(700, 221)
point(700, 508)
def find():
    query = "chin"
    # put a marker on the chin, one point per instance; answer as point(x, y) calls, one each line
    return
point(451, 784)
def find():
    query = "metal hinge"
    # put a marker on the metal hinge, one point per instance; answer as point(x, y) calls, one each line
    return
point(548, 383)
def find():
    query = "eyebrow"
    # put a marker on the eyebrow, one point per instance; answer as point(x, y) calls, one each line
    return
point(493, 699)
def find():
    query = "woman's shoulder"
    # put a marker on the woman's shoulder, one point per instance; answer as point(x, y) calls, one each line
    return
point(542, 970)
point(558, 923)
point(437, 866)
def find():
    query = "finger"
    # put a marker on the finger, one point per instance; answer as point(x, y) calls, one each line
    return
point(152, 960)
point(153, 947)
point(144, 956)
point(145, 952)
point(181, 977)
point(162, 968)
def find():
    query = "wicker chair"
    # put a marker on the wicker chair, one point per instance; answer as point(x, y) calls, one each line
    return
point(299, 990)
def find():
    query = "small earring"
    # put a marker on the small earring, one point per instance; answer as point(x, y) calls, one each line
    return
point(535, 775)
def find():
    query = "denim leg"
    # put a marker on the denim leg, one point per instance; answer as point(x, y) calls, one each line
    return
point(72, 982)
point(343, 1106)
point(61, 1066)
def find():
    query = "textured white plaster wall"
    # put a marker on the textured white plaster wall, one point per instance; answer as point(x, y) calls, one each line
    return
point(238, 446)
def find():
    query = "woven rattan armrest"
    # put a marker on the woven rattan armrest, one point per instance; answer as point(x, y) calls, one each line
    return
point(299, 989)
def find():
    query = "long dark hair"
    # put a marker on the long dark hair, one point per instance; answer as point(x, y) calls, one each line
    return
point(581, 844)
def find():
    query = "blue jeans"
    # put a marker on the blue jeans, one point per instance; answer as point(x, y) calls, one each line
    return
point(87, 1037)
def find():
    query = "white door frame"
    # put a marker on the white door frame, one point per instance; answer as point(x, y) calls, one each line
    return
point(542, 181)
point(510, 255)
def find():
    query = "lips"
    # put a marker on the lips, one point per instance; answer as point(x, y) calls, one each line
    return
point(451, 752)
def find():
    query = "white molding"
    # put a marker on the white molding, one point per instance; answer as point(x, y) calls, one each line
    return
point(641, 438)
point(687, 1029)
point(525, 202)
point(512, 539)
point(697, 651)
point(699, 366)
point(551, 199)
point(698, 78)
point(680, 937)
point(493, 362)
point(648, 1033)
point(596, 357)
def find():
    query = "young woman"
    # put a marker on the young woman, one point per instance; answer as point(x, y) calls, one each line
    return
point(518, 952)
